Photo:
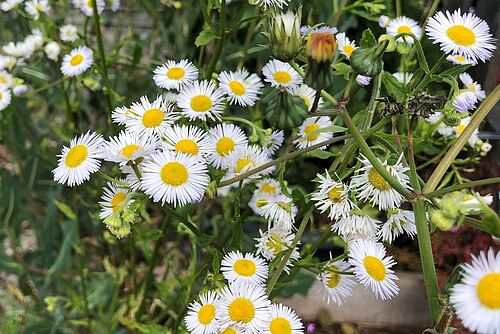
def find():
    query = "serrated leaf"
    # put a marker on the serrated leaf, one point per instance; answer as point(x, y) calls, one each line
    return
point(367, 39)
point(205, 37)
point(64, 208)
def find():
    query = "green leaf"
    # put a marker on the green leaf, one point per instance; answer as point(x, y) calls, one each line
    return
point(64, 208)
point(320, 154)
point(490, 221)
point(301, 283)
point(205, 37)
point(456, 70)
point(216, 262)
point(393, 86)
point(143, 328)
point(342, 69)
point(367, 39)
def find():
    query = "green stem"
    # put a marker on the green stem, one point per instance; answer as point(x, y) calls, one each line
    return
point(83, 283)
point(476, 120)
point(430, 12)
point(428, 76)
point(466, 185)
point(398, 7)
point(182, 220)
point(248, 39)
point(102, 56)
point(220, 42)
point(338, 12)
point(206, 17)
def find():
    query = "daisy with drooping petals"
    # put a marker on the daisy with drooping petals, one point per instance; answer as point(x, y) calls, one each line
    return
point(201, 317)
point(245, 269)
point(175, 75)
point(201, 100)
point(476, 298)
point(464, 100)
point(113, 199)
point(35, 7)
point(68, 33)
point(8, 5)
point(332, 196)
point(79, 160)
point(129, 146)
point(273, 142)
point(5, 80)
point(151, 118)
point(356, 225)
point(372, 268)
point(371, 186)
point(190, 140)
point(399, 221)
point(282, 320)
point(272, 3)
point(244, 305)
point(306, 94)
point(77, 61)
point(337, 287)
point(258, 201)
point(246, 158)
point(472, 86)
point(403, 24)
point(281, 75)
point(120, 115)
point(280, 211)
point(174, 178)
point(345, 45)
point(314, 130)
point(274, 241)
point(5, 98)
point(224, 138)
point(460, 60)
point(86, 6)
point(464, 35)
point(241, 87)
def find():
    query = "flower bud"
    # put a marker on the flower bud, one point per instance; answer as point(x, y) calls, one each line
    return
point(441, 220)
point(321, 45)
point(368, 61)
point(404, 49)
point(363, 80)
point(392, 42)
point(383, 21)
point(284, 35)
point(284, 111)
point(464, 100)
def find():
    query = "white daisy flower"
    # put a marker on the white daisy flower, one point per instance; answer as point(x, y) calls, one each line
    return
point(486, 147)
point(173, 178)
point(246, 158)
point(337, 287)
point(332, 196)
point(465, 35)
point(383, 21)
point(372, 187)
point(274, 241)
point(403, 24)
point(86, 6)
point(269, 186)
point(399, 221)
point(476, 298)
point(5, 80)
point(190, 140)
point(281, 75)
point(241, 87)
point(224, 138)
point(243, 305)
point(175, 75)
point(460, 60)
point(273, 142)
point(310, 132)
point(258, 201)
point(280, 212)
point(68, 33)
point(114, 198)
point(464, 100)
point(115, 5)
point(8, 5)
point(15, 50)
point(372, 268)
point(35, 7)
point(120, 115)
point(5, 98)
point(35, 39)
point(306, 94)
point(245, 269)
point(272, 3)
point(457, 131)
point(201, 317)
point(151, 118)
point(403, 77)
point(345, 45)
point(363, 80)
point(201, 100)
point(77, 61)
point(356, 226)
point(282, 320)
point(8, 62)
point(129, 146)
point(52, 50)
point(472, 86)
point(79, 160)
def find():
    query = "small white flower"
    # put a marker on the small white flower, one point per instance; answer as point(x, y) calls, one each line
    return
point(281, 75)
point(472, 86)
point(363, 80)
point(246, 158)
point(403, 24)
point(337, 287)
point(20, 89)
point(68, 33)
point(120, 115)
point(129, 146)
point(460, 60)
point(86, 6)
point(114, 198)
point(345, 45)
point(274, 241)
point(356, 226)
point(281, 320)
point(5, 98)
point(224, 139)
point(383, 21)
point(175, 75)
point(201, 317)
point(314, 130)
point(246, 269)
point(273, 142)
point(241, 87)
point(403, 77)
point(6, 80)
point(464, 100)
point(280, 211)
point(52, 50)
point(399, 221)
point(35, 7)
point(201, 100)
point(186, 139)
point(8, 5)
point(486, 147)
point(332, 196)
point(77, 61)
point(306, 94)
point(272, 3)
point(115, 5)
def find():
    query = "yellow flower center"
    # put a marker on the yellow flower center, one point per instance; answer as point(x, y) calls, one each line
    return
point(488, 291)
point(309, 129)
point(374, 267)
point(280, 326)
point(460, 128)
point(201, 103)
point(3, 80)
point(76, 60)
point(333, 277)
point(117, 200)
point(461, 35)
point(377, 180)
point(176, 73)
point(241, 310)
point(237, 88)
point(336, 194)
point(174, 174)
point(242, 163)
point(403, 29)
point(90, 3)
point(1, 96)
point(39, 6)
point(460, 58)
point(268, 188)
point(224, 146)
point(76, 156)
point(229, 330)
point(275, 243)
point(206, 314)
point(152, 118)
point(261, 202)
point(129, 150)
point(282, 77)
point(244, 267)
point(187, 146)
point(348, 50)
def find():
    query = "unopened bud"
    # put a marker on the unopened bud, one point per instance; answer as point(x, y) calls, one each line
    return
point(284, 34)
